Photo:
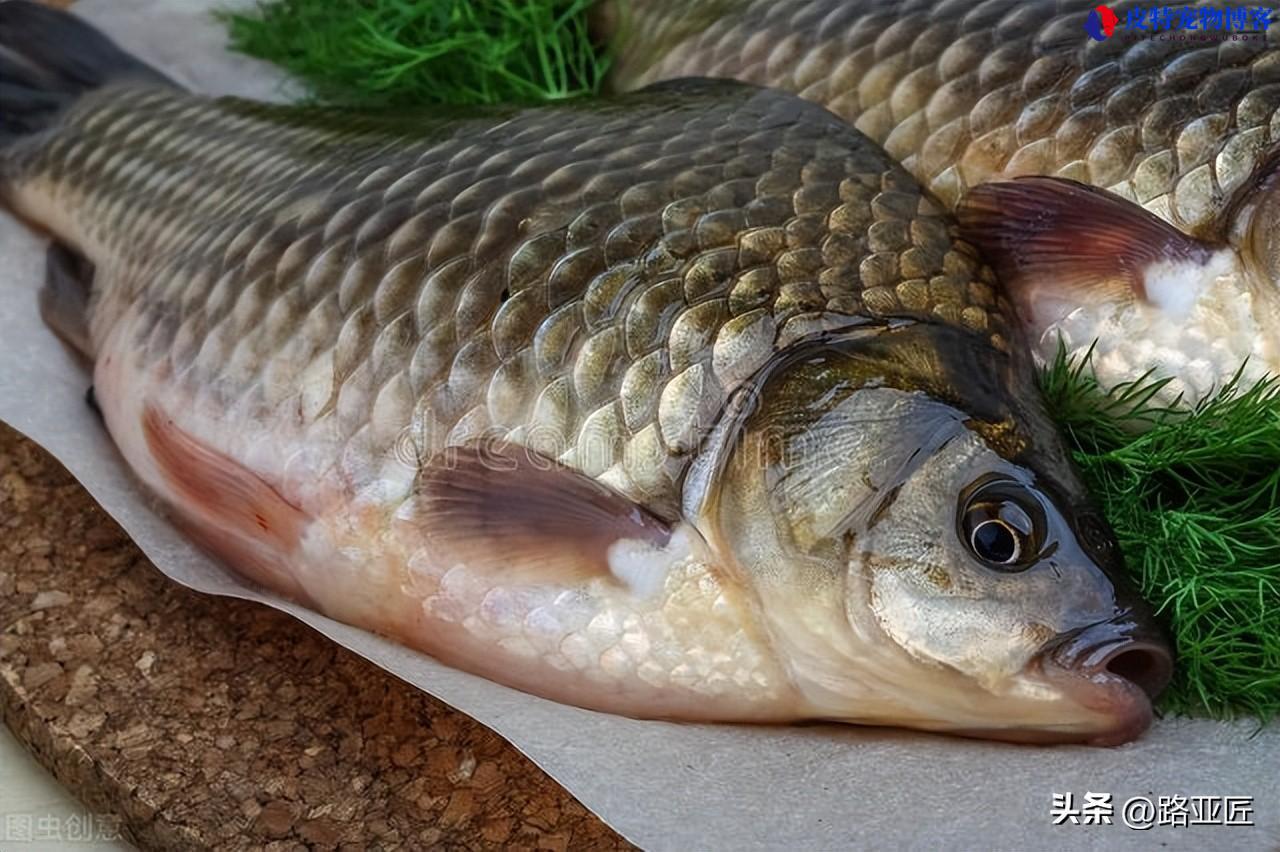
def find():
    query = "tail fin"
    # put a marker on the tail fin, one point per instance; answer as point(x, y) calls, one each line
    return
point(48, 58)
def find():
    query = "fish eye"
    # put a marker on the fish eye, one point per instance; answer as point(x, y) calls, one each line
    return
point(995, 541)
point(1002, 523)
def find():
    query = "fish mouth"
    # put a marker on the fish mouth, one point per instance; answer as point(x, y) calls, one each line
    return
point(1114, 669)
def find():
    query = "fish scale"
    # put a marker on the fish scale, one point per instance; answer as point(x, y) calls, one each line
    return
point(508, 277)
point(962, 93)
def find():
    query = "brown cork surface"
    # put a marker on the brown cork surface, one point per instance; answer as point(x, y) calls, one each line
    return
point(205, 722)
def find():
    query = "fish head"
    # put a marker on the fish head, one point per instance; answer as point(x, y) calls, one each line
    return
point(978, 569)
point(919, 548)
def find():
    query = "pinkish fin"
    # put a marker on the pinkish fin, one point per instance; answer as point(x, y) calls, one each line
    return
point(503, 507)
point(226, 507)
point(1056, 240)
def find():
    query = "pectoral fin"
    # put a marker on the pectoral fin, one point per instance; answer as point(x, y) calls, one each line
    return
point(1056, 243)
point(507, 509)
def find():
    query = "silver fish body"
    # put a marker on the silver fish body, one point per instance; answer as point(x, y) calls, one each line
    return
point(688, 404)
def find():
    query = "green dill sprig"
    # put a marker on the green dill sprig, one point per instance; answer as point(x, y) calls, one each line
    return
point(1194, 497)
point(414, 52)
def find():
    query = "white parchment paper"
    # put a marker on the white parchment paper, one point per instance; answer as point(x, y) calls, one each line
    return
point(663, 786)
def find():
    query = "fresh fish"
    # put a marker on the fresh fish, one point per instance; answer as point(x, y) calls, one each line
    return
point(1170, 260)
point(685, 404)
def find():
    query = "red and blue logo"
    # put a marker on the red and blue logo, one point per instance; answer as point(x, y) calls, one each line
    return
point(1101, 23)
point(1191, 23)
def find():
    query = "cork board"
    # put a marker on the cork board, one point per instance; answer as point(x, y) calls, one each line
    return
point(205, 722)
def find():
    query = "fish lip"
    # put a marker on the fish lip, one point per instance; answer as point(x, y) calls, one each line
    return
point(1115, 669)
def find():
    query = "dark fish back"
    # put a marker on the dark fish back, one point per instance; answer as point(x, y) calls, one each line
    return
point(596, 273)
point(963, 92)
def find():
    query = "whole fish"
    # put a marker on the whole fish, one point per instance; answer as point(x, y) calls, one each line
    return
point(685, 404)
point(1155, 128)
